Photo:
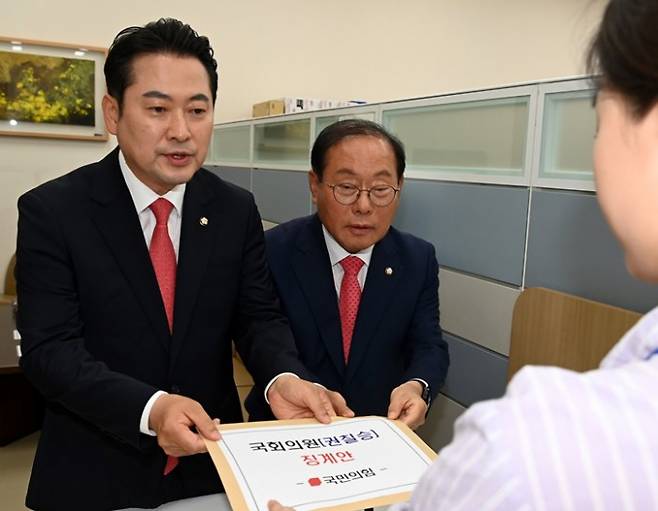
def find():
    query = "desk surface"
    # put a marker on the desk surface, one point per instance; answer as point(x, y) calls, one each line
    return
point(215, 502)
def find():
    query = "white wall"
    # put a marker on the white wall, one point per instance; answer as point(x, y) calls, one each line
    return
point(373, 50)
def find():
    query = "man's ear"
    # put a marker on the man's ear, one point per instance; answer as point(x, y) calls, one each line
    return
point(314, 185)
point(111, 113)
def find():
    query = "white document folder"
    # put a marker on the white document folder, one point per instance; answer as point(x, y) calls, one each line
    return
point(347, 465)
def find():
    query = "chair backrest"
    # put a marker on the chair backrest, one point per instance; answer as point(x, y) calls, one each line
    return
point(243, 381)
point(10, 281)
point(553, 328)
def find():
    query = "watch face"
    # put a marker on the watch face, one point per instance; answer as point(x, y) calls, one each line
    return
point(426, 394)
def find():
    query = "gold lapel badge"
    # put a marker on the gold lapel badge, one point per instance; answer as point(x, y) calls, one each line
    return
point(388, 271)
point(203, 221)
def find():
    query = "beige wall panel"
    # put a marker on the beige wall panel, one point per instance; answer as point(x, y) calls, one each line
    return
point(268, 50)
point(268, 225)
point(13, 183)
point(477, 309)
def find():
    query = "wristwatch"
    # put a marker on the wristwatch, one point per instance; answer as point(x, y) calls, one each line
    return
point(426, 395)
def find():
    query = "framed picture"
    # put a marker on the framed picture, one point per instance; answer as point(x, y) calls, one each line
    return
point(51, 90)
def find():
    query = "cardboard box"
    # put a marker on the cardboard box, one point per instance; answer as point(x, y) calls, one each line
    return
point(271, 107)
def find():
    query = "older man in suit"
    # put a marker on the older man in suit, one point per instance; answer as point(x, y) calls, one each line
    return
point(134, 274)
point(361, 296)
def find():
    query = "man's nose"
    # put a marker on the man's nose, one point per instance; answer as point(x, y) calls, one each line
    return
point(178, 128)
point(363, 204)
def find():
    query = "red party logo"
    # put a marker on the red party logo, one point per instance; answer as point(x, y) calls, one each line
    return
point(314, 481)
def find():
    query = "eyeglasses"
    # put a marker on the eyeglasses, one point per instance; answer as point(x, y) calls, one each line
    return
point(380, 195)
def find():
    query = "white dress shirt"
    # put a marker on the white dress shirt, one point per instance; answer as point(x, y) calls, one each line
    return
point(143, 197)
point(338, 253)
point(558, 440)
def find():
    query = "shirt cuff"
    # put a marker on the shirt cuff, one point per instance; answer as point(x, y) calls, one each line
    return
point(425, 394)
point(144, 421)
point(420, 380)
point(267, 389)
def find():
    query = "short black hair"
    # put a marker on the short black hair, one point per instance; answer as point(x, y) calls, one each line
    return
point(166, 36)
point(336, 132)
point(624, 52)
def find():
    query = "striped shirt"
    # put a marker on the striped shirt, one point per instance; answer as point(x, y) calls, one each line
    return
point(558, 440)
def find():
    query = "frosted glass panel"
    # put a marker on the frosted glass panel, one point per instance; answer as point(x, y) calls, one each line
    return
point(282, 142)
point(478, 137)
point(322, 122)
point(366, 116)
point(231, 144)
point(568, 135)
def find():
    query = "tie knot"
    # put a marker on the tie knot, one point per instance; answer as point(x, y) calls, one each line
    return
point(351, 265)
point(161, 209)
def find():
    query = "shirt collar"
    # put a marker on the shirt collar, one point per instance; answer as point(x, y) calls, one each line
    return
point(639, 343)
point(337, 253)
point(143, 196)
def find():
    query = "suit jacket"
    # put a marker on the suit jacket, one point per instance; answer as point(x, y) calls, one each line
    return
point(396, 335)
point(96, 342)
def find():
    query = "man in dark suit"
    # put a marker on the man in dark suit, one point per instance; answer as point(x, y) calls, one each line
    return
point(134, 274)
point(361, 296)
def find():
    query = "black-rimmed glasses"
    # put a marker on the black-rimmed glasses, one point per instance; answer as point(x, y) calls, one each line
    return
point(347, 194)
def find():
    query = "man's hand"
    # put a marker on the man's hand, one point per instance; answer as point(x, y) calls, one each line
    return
point(273, 505)
point(173, 417)
point(293, 398)
point(408, 405)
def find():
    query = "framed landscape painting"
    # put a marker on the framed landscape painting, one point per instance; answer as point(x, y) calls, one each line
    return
point(51, 90)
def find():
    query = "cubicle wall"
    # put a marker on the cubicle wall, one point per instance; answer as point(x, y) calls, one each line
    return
point(500, 181)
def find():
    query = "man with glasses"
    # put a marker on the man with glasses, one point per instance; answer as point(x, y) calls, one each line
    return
point(361, 296)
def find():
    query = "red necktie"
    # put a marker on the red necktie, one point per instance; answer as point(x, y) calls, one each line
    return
point(163, 259)
point(348, 303)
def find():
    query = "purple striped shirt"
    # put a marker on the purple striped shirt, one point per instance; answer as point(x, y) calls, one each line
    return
point(558, 440)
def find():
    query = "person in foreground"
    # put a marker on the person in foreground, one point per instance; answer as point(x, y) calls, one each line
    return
point(134, 274)
point(561, 440)
point(360, 295)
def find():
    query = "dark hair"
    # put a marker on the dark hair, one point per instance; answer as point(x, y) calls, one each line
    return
point(166, 35)
point(336, 132)
point(624, 52)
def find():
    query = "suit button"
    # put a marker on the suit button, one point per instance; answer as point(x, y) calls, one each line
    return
point(175, 389)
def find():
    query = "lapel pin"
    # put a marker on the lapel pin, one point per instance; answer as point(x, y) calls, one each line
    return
point(203, 221)
point(388, 271)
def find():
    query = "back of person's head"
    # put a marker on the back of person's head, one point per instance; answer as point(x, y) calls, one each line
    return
point(165, 36)
point(625, 52)
point(336, 132)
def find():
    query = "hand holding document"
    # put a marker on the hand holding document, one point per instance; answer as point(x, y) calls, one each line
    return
point(347, 465)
